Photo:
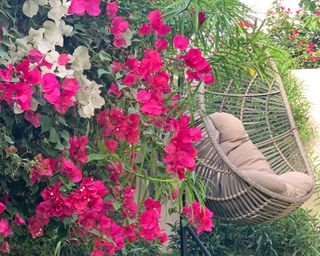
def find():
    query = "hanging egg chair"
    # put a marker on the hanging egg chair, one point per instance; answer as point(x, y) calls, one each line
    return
point(261, 104)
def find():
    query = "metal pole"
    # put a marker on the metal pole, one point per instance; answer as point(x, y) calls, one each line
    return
point(196, 238)
point(183, 238)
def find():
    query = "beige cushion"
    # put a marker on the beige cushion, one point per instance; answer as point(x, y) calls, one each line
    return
point(229, 127)
point(288, 184)
point(269, 181)
point(235, 143)
point(248, 157)
point(298, 182)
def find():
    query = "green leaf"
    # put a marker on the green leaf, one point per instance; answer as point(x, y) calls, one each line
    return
point(4, 55)
point(95, 157)
point(116, 205)
point(61, 120)
point(8, 139)
point(54, 135)
point(58, 249)
point(46, 123)
point(102, 72)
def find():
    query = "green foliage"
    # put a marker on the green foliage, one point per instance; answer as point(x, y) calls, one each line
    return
point(299, 104)
point(297, 33)
point(296, 234)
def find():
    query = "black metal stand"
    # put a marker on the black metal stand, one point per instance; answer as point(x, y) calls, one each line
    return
point(194, 236)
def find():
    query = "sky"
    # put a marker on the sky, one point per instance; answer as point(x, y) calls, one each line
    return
point(261, 6)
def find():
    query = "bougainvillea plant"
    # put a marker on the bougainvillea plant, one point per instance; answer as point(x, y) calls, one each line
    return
point(297, 31)
point(95, 134)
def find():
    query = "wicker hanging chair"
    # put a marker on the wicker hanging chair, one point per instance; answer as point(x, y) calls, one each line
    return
point(262, 105)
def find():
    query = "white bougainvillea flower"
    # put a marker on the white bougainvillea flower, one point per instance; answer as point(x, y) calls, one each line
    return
point(30, 8)
point(65, 29)
point(58, 10)
point(35, 36)
point(88, 97)
point(52, 33)
point(80, 59)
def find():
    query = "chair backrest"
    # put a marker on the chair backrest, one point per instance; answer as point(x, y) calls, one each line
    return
point(262, 106)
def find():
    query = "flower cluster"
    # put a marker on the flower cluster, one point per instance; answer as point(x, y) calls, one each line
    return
point(199, 216)
point(85, 169)
point(180, 153)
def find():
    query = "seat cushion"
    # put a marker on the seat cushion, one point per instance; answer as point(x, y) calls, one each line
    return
point(298, 182)
point(248, 157)
point(287, 184)
point(269, 181)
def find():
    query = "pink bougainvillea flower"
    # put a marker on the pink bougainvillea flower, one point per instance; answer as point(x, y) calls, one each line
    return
point(43, 167)
point(2, 207)
point(208, 78)
point(163, 238)
point(144, 29)
point(161, 44)
point(180, 42)
point(151, 62)
point(117, 66)
point(63, 59)
point(33, 118)
point(112, 9)
point(202, 17)
point(5, 247)
point(130, 79)
point(180, 153)
point(18, 220)
point(119, 42)
point(155, 19)
point(5, 229)
point(36, 224)
point(6, 74)
point(97, 253)
point(70, 87)
point(71, 170)
point(114, 89)
point(198, 216)
point(35, 56)
point(111, 144)
point(80, 7)
point(78, 148)
point(22, 94)
point(156, 24)
point(50, 88)
point(119, 26)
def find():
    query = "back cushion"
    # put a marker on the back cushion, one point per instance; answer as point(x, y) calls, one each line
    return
point(235, 143)
point(229, 127)
point(248, 157)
